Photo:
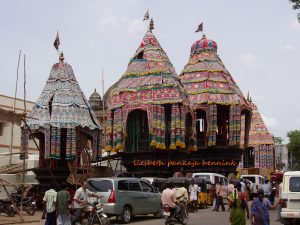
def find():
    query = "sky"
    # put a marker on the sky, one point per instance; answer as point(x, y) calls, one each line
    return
point(258, 41)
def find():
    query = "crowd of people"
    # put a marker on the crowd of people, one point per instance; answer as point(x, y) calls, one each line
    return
point(56, 204)
point(239, 204)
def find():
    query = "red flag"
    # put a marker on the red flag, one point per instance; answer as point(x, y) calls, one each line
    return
point(200, 28)
point(56, 42)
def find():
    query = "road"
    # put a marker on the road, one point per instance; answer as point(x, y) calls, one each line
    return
point(203, 216)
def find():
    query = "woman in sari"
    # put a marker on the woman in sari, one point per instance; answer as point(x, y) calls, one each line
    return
point(259, 209)
point(238, 205)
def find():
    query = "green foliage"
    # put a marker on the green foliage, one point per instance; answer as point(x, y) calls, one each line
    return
point(277, 140)
point(294, 145)
point(296, 4)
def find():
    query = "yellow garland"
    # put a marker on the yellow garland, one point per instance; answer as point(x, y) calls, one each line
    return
point(108, 148)
point(172, 147)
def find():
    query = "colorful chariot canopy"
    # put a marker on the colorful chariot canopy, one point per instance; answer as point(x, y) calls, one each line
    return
point(259, 134)
point(205, 78)
point(150, 78)
point(62, 103)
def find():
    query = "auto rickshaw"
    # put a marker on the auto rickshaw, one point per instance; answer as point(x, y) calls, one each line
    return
point(204, 197)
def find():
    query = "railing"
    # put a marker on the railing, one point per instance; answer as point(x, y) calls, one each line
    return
point(80, 173)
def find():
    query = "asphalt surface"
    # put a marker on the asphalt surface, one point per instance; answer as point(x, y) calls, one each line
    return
point(203, 216)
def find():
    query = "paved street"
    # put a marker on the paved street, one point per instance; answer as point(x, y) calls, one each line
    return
point(203, 216)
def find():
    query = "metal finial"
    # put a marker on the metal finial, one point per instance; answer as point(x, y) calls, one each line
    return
point(151, 25)
point(61, 57)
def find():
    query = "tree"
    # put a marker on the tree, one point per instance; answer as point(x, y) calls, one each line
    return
point(296, 4)
point(294, 146)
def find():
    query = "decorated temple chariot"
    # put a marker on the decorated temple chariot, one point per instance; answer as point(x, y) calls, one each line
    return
point(160, 123)
point(66, 127)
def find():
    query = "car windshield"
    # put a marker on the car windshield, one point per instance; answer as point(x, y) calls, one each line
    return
point(295, 184)
point(252, 179)
point(100, 185)
point(204, 177)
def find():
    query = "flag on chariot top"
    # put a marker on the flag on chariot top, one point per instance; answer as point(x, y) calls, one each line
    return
point(56, 42)
point(298, 16)
point(146, 16)
point(200, 28)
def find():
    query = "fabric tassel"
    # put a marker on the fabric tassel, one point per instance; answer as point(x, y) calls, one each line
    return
point(173, 127)
point(177, 130)
point(154, 126)
point(234, 125)
point(163, 129)
point(212, 127)
point(182, 127)
point(109, 132)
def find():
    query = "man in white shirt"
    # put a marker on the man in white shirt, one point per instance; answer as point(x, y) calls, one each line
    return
point(80, 199)
point(49, 200)
point(194, 189)
point(243, 186)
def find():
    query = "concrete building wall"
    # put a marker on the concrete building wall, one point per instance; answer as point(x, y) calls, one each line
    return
point(6, 135)
point(281, 156)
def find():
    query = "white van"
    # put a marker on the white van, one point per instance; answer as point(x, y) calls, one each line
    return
point(290, 195)
point(214, 178)
point(259, 182)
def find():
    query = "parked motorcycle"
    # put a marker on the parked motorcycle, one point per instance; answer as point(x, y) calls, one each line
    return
point(29, 205)
point(180, 218)
point(93, 214)
point(7, 207)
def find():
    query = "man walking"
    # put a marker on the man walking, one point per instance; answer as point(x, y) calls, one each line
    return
point(80, 199)
point(49, 201)
point(62, 198)
point(194, 189)
point(220, 194)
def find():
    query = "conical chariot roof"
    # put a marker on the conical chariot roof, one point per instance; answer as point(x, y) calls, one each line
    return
point(62, 103)
point(150, 78)
point(259, 133)
point(205, 78)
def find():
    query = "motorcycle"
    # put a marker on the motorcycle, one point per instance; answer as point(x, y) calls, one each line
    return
point(7, 207)
point(29, 205)
point(181, 218)
point(93, 214)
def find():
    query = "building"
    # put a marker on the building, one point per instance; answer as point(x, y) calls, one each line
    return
point(281, 156)
point(160, 123)
point(98, 107)
point(10, 134)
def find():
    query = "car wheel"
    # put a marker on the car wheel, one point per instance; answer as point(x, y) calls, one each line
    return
point(29, 209)
point(11, 212)
point(160, 213)
point(126, 215)
point(104, 221)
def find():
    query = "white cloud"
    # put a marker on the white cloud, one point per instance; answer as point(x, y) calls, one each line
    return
point(121, 25)
point(288, 47)
point(295, 25)
point(249, 60)
point(269, 121)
